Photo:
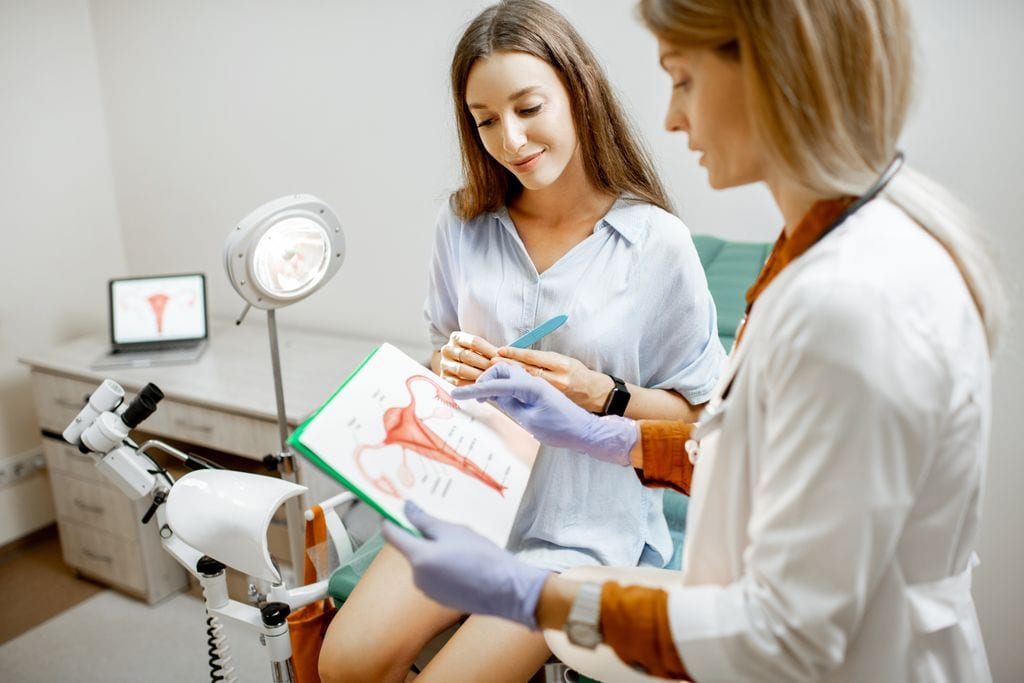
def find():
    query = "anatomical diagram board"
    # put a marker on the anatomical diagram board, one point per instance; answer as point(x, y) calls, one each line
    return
point(392, 432)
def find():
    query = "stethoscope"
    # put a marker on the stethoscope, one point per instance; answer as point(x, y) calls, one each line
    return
point(712, 418)
point(887, 175)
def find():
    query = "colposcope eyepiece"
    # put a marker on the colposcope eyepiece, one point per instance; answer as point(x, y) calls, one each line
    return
point(142, 406)
point(106, 397)
point(110, 429)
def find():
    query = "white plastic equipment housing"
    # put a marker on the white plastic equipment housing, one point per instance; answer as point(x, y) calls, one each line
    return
point(226, 514)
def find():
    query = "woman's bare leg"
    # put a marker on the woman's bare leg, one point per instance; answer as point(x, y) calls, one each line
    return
point(488, 649)
point(382, 626)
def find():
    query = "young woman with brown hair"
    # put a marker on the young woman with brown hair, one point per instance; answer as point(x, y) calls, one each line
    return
point(561, 212)
point(836, 476)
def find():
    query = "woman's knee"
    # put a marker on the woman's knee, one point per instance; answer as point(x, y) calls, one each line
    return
point(348, 661)
point(354, 650)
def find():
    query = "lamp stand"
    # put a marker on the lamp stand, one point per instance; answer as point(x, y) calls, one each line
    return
point(288, 463)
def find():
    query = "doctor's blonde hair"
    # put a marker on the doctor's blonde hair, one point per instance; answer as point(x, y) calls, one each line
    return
point(614, 159)
point(830, 84)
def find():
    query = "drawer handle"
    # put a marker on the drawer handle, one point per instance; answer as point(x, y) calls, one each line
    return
point(206, 429)
point(94, 556)
point(65, 403)
point(95, 509)
point(73, 452)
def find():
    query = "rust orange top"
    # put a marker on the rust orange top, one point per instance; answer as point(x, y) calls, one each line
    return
point(666, 464)
point(634, 619)
point(787, 249)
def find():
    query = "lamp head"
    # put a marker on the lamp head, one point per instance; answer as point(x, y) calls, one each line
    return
point(284, 251)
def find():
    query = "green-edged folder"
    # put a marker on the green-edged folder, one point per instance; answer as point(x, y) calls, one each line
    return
point(392, 432)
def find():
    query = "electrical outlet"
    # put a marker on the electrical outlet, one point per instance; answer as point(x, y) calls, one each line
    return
point(19, 467)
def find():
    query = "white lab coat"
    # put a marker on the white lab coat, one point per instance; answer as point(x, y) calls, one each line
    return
point(835, 510)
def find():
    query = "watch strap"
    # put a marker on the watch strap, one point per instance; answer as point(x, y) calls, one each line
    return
point(617, 399)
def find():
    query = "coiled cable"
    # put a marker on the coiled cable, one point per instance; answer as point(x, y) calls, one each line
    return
point(220, 661)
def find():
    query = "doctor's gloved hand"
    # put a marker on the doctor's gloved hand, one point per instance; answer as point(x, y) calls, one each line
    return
point(551, 416)
point(461, 569)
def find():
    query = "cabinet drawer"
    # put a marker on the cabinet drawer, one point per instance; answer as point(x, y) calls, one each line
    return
point(58, 399)
point(103, 556)
point(63, 458)
point(238, 434)
point(84, 502)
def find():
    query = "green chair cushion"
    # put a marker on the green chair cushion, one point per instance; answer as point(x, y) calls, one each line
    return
point(730, 267)
point(344, 579)
point(675, 505)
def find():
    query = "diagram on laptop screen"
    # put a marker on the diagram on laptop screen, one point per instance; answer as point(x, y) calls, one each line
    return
point(153, 309)
point(393, 432)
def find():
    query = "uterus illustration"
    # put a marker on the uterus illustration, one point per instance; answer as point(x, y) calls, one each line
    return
point(158, 302)
point(405, 429)
point(155, 306)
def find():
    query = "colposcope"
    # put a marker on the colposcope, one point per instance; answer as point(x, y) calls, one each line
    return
point(208, 519)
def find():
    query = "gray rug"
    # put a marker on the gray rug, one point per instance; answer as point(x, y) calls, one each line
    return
point(112, 638)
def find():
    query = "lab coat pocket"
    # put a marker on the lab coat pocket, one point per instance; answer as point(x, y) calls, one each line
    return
point(940, 604)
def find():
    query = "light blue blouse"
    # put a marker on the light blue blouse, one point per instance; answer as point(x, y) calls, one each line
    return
point(639, 309)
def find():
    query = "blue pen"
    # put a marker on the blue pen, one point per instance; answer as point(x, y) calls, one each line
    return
point(539, 332)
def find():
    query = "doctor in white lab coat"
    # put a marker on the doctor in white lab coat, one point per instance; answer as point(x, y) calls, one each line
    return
point(837, 488)
point(836, 478)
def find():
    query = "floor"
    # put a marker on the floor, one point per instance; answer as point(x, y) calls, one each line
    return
point(35, 584)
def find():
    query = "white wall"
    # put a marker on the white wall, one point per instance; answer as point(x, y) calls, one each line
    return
point(214, 108)
point(966, 133)
point(61, 235)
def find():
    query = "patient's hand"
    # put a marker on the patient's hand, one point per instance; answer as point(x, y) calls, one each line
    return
point(584, 387)
point(465, 357)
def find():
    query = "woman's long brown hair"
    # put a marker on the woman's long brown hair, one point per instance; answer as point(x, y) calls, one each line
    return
point(613, 158)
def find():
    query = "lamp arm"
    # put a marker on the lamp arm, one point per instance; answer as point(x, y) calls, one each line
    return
point(292, 507)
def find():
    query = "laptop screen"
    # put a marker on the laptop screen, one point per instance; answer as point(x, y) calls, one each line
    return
point(151, 311)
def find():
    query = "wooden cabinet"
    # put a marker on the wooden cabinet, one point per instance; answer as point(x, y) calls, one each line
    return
point(101, 532)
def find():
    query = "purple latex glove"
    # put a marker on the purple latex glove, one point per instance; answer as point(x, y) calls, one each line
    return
point(551, 416)
point(460, 568)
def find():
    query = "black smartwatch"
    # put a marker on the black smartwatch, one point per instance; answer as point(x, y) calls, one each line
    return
point(618, 399)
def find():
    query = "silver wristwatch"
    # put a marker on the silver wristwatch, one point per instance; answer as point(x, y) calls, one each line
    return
point(584, 623)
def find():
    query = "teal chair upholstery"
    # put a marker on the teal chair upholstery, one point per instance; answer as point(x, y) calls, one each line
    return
point(344, 579)
point(730, 267)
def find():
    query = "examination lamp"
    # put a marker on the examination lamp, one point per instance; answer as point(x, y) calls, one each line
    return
point(277, 255)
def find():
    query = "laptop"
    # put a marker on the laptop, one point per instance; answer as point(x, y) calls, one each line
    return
point(156, 320)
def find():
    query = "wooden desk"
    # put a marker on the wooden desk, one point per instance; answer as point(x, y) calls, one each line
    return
point(223, 402)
